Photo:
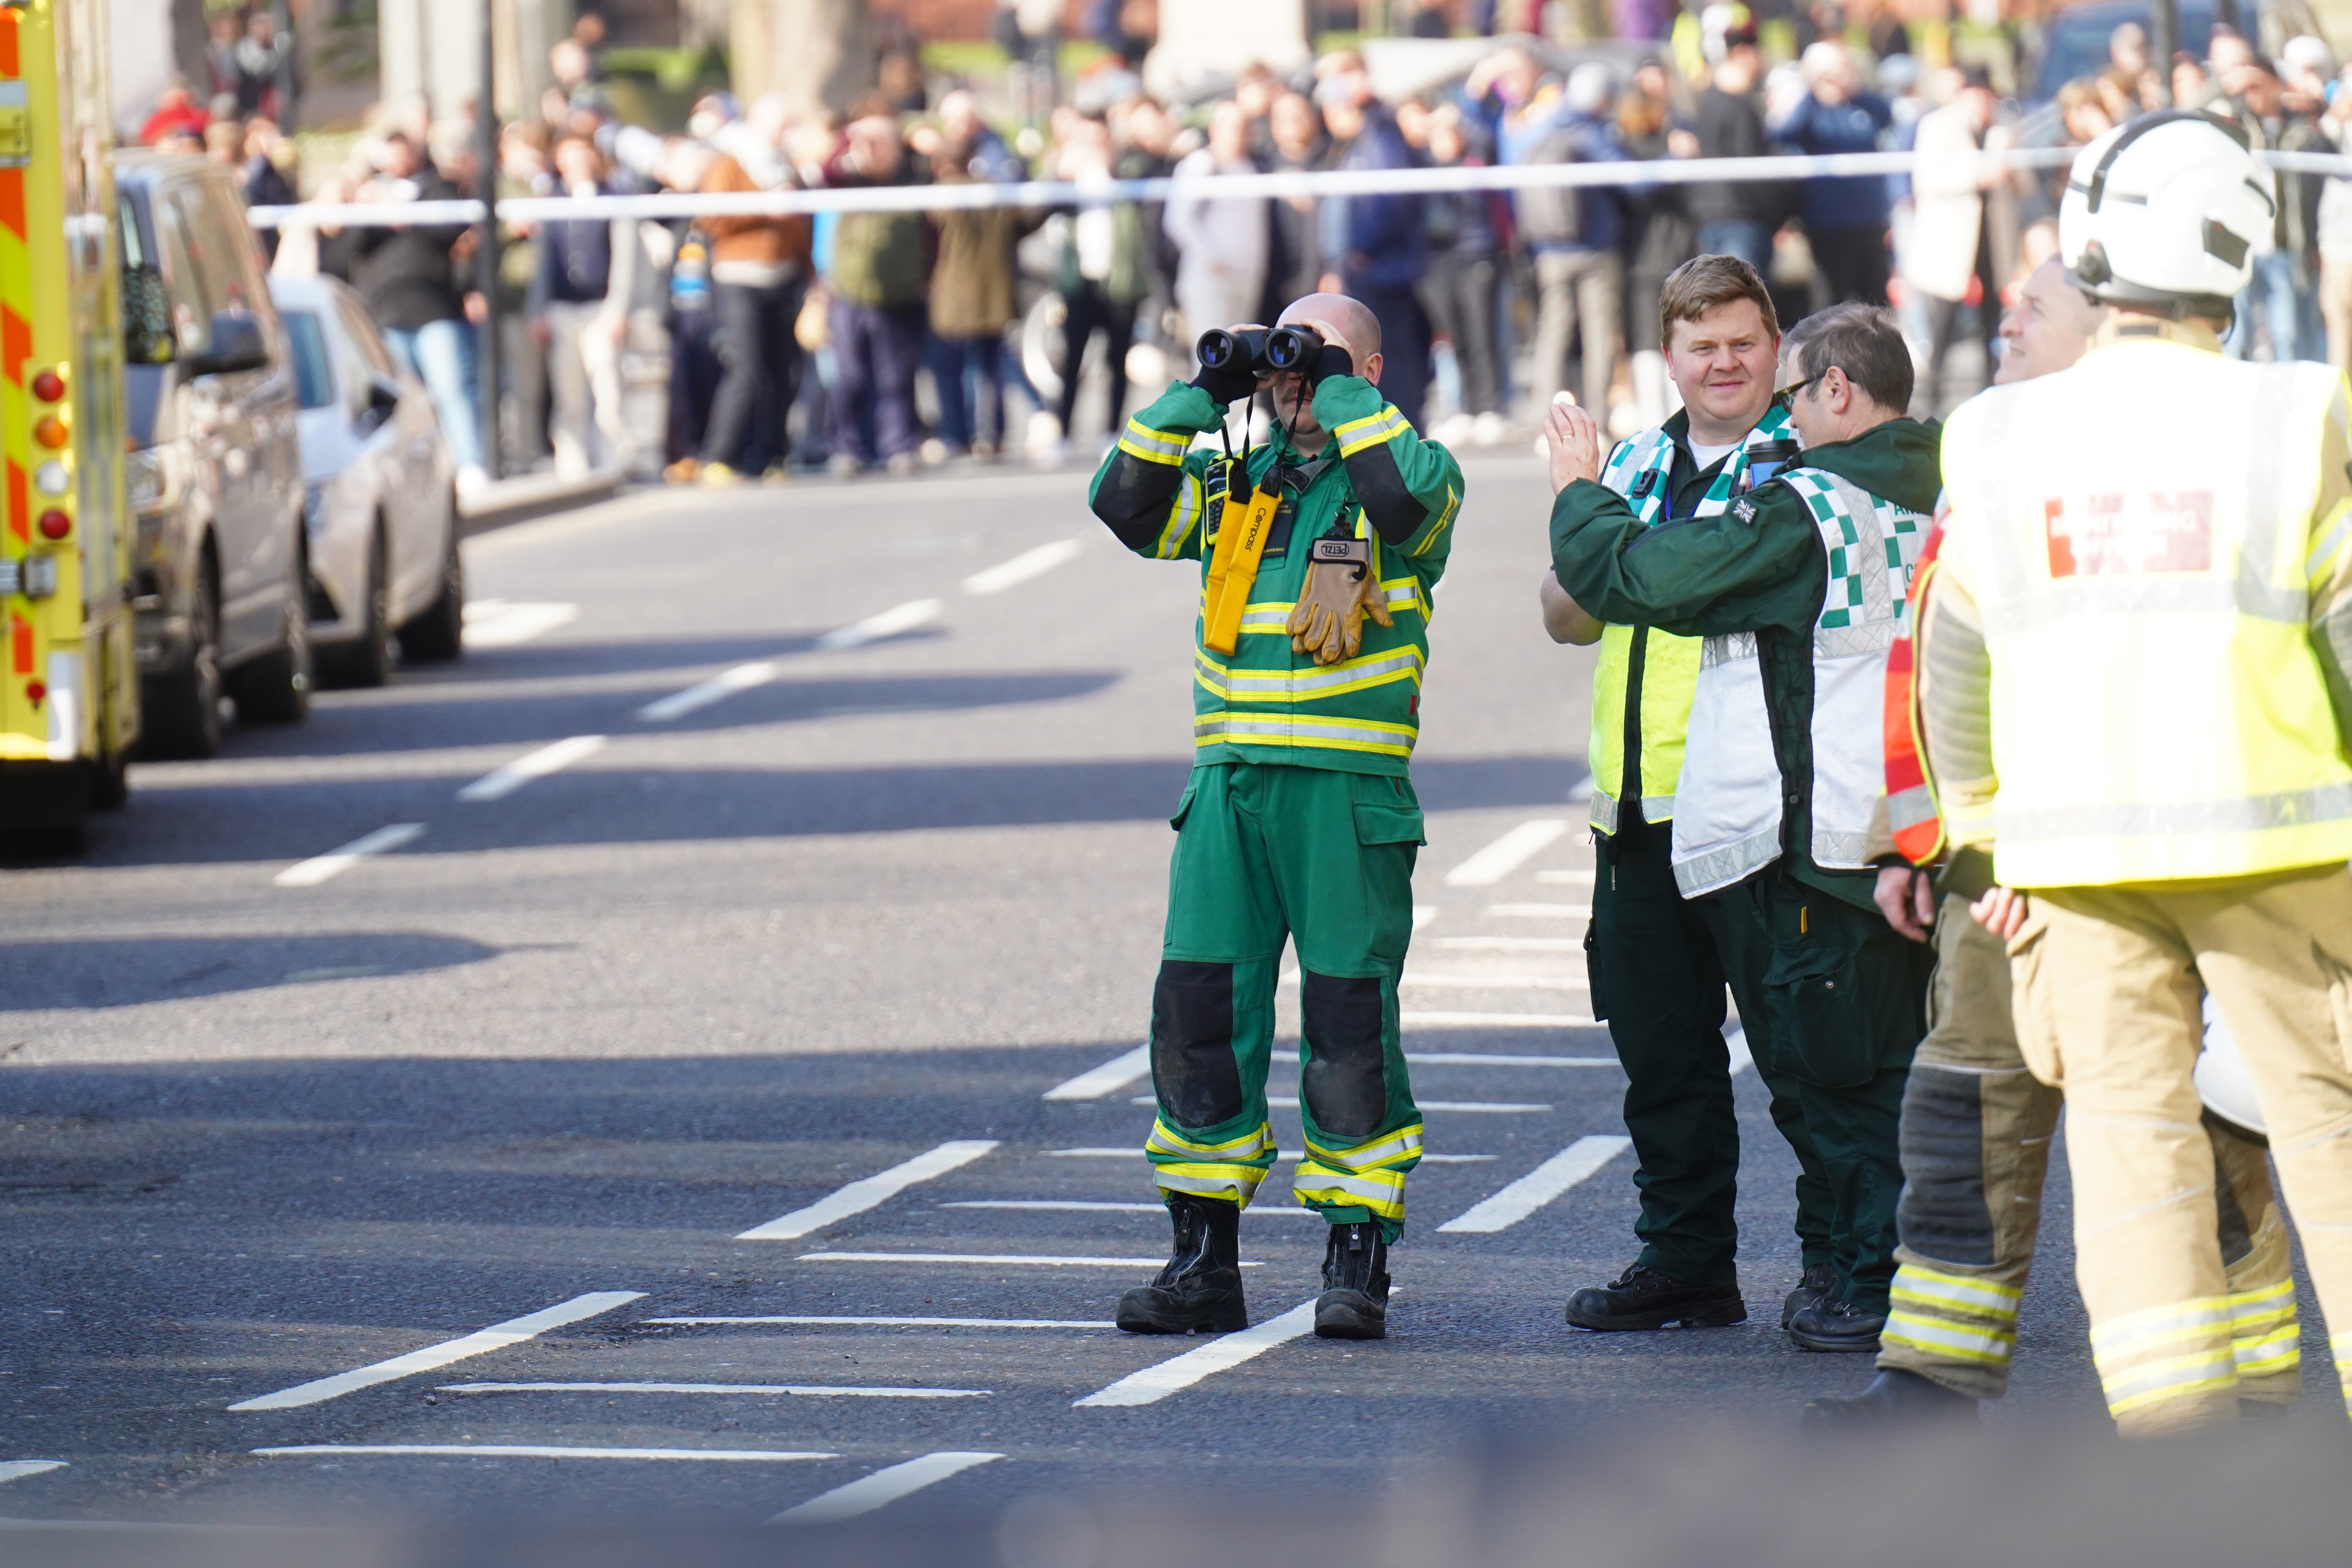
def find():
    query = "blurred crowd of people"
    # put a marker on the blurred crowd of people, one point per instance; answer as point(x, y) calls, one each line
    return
point(721, 349)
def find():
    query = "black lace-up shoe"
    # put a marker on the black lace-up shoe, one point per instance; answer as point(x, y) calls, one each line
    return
point(1200, 1292)
point(1644, 1299)
point(1817, 1284)
point(1355, 1301)
point(1894, 1398)
point(1835, 1326)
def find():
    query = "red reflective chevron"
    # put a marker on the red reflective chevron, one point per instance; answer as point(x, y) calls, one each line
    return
point(1910, 796)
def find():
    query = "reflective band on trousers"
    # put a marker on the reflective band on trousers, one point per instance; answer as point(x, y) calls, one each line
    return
point(1370, 1175)
point(2165, 1353)
point(1231, 1169)
point(1942, 1315)
point(2264, 1336)
point(1284, 730)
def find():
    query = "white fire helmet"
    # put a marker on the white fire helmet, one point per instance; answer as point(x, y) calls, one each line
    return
point(2222, 1081)
point(2166, 214)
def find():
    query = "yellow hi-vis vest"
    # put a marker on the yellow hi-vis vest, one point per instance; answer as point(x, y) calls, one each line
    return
point(2138, 532)
point(1669, 664)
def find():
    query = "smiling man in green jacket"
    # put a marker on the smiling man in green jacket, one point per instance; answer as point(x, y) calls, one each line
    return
point(1797, 588)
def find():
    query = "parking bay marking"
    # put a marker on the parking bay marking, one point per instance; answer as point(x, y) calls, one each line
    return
point(496, 623)
point(1512, 943)
point(1021, 568)
point(693, 699)
point(17, 1469)
point(1507, 854)
point(534, 1451)
point(1049, 1262)
point(334, 862)
point(1497, 982)
point(896, 1323)
point(1085, 1206)
point(880, 1188)
point(807, 1391)
point(1539, 1186)
point(1499, 1020)
point(1177, 1373)
point(1108, 1079)
point(889, 623)
point(497, 1336)
point(885, 1485)
point(500, 782)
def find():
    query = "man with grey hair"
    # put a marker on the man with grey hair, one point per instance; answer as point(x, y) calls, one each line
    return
point(1573, 234)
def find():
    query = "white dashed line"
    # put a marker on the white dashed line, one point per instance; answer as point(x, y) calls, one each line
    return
point(1512, 943)
point(1568, 878)
point(1507, 854)
point(885, 1485)
point(494, 623)
point(497, 1336)
point(1108, 1079)
point(1539, 1186)
point(880, 1188)
point(806, 1391)
point(899, 618)
point(1224, 1354)
point(1540, 912)
point(693, 699)
point(334, 862)
point(503, 781)
point(536, 1451)
point(17, 1469)
point(1041, 1262)
point(1021, 568)
point(1477, 1059)
point(1083, 1206)
point(1497, 982)
point(900, 1322)
point(1581, 792)
point(1498, 1020)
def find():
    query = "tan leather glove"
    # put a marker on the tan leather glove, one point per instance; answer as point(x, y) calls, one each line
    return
point(1339, 592)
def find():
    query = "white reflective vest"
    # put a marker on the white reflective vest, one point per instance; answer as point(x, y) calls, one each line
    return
point(1730, 805)
point(2138, 533)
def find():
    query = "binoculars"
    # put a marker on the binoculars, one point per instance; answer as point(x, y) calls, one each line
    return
point(1260, 350)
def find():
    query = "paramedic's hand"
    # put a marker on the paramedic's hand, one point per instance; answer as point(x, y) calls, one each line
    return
point(1328, 621)
point(1907, 896)
point(2002, 912)
point(1572, 443)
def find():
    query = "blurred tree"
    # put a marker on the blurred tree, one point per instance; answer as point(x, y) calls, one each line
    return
point(818, 53)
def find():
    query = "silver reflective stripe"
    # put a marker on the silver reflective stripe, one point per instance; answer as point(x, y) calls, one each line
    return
point(2072, 598)
point(1928, 1334)
point(1302, 685)
point(1909, 807)
point(1657, 808)
point(2170, 1379)
point(2258, 551)
point(1363, 1157)
point(1205, 1187)
point(1209, 726)
point(1604, 811)
point(2251, 814)
point(1720, 867)
point(1181, 518)
point(1727, 650)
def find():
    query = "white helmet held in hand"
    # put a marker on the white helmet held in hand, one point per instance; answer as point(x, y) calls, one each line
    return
point(2165, 215)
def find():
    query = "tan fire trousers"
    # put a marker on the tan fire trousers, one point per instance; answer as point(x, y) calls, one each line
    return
point(1976, 1136)
point(2108, 1006)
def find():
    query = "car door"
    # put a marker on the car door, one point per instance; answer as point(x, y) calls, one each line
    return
point(411, 497)
point(267, 406)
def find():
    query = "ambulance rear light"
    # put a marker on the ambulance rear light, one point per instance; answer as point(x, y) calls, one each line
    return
point(50, 431)
point(52, 478)
point(54, 524)
point(33, 691)
point(50, 387)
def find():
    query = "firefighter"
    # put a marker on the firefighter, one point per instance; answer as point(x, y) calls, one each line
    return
point(1796, 587)
point(1318, 552)
point(1977, 1125)
point(1656, 977)
point(2147, 619)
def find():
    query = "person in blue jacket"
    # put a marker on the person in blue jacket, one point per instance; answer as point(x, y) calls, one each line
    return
point(1845, 215)
point(1374, 247)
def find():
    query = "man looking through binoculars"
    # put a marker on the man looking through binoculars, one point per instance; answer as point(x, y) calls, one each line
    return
point(1318, 549)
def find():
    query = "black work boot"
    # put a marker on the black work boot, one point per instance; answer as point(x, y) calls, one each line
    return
point(1817, 1284)
point(1894, 1398)
point(1355, 1301)
point(1642, 1298)
point(1835, 1325)
point(1200, 1292)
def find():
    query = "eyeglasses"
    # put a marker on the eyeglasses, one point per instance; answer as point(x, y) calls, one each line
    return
point(1791, 392)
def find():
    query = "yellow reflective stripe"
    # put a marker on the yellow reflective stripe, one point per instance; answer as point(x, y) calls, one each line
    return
point(1141, 440)
point(1405, 593)
point(1938, 1336)
point(2273, 1352)
point(1444, 521)
point(1357, 434)
point(1305, 685)
point(2174, 1377)
point(1286, 729)
point(2267, 1301)
point(1404, 1143)
point(1986, 1297)
point(2158, 1325)
point(1165, 1139)
point(1182, 518)
point(1382, 1192)
point(2320, 565)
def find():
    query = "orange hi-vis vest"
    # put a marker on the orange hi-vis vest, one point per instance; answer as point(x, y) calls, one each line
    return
point(1911, 809)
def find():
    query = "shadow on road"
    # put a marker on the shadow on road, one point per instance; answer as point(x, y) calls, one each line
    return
point(97, 973)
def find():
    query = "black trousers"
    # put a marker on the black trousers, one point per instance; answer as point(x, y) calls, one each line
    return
point(1459, 295)
point(1944, 320)
point(1092, 311)
point(1404, 345)
point(1853, 262)
point(760, 372)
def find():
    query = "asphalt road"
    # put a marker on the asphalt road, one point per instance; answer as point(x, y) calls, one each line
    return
point(862, 911)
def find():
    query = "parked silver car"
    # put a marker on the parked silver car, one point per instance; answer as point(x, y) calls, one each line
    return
point(379, 497)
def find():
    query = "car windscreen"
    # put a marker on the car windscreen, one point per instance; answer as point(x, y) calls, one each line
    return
point(2078, 40)
point(314, 383)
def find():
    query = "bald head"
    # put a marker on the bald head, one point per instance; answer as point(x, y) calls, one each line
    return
point(1348, 318)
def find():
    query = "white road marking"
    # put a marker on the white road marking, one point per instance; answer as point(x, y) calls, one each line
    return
point(880, 1188)
point(334, 862)
point(1512, 943)
point(500, 782)
point(693, 699)
point(536, 1451)
point(1498, 1020)
point(885, 1485)
point(1497, 982)
point(1083, 1206)
point(1279, 1157)
point(905, 1322)
point(1540, 912)
point(1521, 1199)
point(1507, 854)
point(1290, 1102)
point(494, 623)
point(17, 1469)
point(1572, 878)
point(1047, 1262)
point(899, 618)
point(1477, 1059)
point(497, 1336)
point(1021, 568)
point(1224, 1354)
point(810, 1391)
point(1108, 1079)
point(1581, 792)
point(1741, 1058)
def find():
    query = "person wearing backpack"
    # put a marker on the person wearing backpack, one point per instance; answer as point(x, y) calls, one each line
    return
point(1572, 236)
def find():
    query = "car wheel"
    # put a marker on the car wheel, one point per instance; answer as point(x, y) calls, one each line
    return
point(440, 631)
point(276, 688)
point(181, 709)
point(367, 659)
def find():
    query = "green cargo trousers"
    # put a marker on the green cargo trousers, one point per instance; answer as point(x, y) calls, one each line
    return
point(1834, 1001)
point(1265, 851)
point(1657, 983)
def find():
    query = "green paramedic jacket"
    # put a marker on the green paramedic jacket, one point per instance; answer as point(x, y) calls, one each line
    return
point(1715, 577)
point(1265, 704)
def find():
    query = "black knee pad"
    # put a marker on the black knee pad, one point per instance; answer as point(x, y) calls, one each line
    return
point(1943, 1214)
point(1345, 1085)
point(1193, 1067)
